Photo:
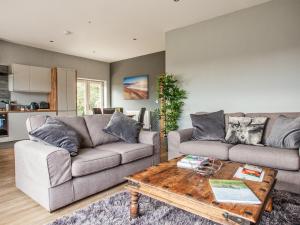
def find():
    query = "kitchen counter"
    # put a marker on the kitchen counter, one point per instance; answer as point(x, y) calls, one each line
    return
point(27, 111)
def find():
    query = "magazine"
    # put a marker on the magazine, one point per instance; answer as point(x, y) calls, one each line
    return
point(232, 191)
point(249, 172)
point(192, 162)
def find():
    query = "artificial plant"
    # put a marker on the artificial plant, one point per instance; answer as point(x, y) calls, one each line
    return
point(171, 98)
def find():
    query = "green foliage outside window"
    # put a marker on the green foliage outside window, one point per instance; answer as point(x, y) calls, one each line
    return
point(171, 98)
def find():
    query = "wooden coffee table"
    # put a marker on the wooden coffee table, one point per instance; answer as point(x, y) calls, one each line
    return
point(187, 190)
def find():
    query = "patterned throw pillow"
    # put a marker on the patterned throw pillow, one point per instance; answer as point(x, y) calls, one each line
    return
point(245, 130)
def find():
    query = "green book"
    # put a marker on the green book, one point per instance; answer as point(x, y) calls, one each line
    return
point(232, 191)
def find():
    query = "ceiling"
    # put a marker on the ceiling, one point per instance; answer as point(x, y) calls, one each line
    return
point(104, 29)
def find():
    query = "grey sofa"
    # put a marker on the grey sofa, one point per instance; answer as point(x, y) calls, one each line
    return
point(286, 161)
point(54, 179)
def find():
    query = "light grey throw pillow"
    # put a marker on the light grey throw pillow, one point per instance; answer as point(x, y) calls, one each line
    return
point(285, 133)
point(56, 133)
point(245, 130)
point(209, 126)
point(123, 127)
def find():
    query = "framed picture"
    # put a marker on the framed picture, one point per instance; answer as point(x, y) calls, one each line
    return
point(135, 87)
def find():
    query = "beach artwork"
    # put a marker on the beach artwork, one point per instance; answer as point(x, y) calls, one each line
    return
point(135, 87)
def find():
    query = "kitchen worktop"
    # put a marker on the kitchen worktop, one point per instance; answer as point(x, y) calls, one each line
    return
point(27, 111)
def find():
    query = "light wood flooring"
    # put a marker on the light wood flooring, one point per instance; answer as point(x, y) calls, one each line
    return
point(16, 208)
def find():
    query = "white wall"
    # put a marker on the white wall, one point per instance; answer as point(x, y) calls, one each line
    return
point(247, 61)
point(13, 53)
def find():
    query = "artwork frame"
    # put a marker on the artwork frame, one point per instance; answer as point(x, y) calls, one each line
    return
point(136, 87)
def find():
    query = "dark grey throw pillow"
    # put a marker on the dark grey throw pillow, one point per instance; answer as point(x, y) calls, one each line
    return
point(209, 127)
point(245, 130)
point(123, 127)
point(56, 133)
point(285, 133)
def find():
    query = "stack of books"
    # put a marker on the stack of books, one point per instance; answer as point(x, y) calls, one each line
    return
point(232, 191)
point(249, 172)
point(192, 162)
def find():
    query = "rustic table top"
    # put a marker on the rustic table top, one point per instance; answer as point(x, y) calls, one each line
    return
point(178, 182)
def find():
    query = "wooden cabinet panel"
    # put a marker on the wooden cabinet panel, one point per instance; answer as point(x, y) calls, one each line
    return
point(40, 79)
point(71, 90)
point(62, 89)
point(20, 79)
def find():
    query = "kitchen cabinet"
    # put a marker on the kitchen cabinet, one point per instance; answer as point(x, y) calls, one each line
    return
point(17, 124)
point(40, 79)
point(19, 80)
point(30, 79)
point(66, 91)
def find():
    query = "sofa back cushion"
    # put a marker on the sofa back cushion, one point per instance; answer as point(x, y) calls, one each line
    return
point(271, 119)
point(75, 122)
point(95, 124)
point(236, 114)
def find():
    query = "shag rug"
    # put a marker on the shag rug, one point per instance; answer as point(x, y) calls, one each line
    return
point(115, 211)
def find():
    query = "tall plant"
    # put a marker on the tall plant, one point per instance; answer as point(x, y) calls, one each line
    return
point(171, 98)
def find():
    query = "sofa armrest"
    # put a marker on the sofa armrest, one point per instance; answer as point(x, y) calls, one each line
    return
point(151, 138)
point(46, 165)
point(177, 137)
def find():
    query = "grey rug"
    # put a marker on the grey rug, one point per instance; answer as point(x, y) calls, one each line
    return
point(115, 211)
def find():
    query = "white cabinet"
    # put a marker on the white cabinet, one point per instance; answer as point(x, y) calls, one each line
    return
point(66, 91)
point(30, 79)
point(19, 81)
point(71, 90)
point(40, 79)
point(17, 124)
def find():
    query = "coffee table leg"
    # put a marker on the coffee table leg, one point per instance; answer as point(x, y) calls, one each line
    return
point(134, 206)
point(269, 205)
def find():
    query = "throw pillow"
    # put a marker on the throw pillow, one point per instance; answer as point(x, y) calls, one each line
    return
point(245, 130)
point(209, 126)
point(56, 133)
point(285, 133)
point(123, 127)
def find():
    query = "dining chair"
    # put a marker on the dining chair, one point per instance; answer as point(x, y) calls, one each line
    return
point(141, 115)
point(109, 110)
point(97, 111)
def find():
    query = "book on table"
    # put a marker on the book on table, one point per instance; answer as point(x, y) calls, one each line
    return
point(192, 162)
point(249, 172)
point(232, 191)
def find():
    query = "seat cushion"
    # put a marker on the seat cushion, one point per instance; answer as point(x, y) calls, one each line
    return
point(95, 125)
point(129, 152)
point(214, 149)
point(91, 160)
point(278, 158)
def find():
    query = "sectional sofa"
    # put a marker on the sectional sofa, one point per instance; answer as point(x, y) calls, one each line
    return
point(53, 178)
point(286, 161)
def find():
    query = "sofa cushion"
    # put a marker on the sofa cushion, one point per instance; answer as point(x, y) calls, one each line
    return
point(209, 126)
point(79, 125)
point(271, 119)
point(265, 156)
point(91, 160)
point(129, 152)
point(214, 149)
point(95, 125)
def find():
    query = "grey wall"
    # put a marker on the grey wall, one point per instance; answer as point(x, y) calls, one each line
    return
point(152, 64)
point(13, 53)
point(247, 61)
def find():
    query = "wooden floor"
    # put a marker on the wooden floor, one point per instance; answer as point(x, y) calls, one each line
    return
point(16, 208)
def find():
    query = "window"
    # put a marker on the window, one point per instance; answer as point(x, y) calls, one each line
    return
point(90, 94)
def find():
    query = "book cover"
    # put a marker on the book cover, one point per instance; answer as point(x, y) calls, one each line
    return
point(232, 191)
point(194, 159)
point(248, 174)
